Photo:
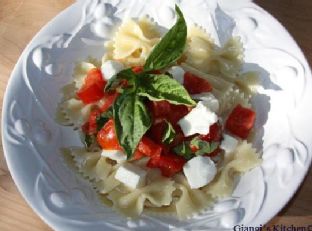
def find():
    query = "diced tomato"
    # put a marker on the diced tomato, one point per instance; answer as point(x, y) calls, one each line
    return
point(138, 155)
point(178, 112)
point(240, 121)
point(168, 164)
point(94, 76)
point(164, 110)
point(215, 133)
point(148, 147)
point(195, 84)
point(194, 148)
point(107, 137)
point(90, 127)
point(156, 131)
point(90, 94)
point(109, 98)
point(137, 69)
point(93, 88)
point(159, 109)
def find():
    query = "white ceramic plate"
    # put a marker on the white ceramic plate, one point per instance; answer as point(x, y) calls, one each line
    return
point(32, 139)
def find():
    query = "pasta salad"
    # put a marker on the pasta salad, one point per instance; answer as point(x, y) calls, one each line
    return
point(165, 120)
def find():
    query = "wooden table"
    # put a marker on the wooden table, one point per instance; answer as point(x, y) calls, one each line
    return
point(19, 22)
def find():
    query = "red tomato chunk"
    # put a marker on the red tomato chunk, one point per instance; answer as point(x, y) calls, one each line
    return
point(148, 147)
point(215, 133)
point(137, 69)
point(195, 84)
point(240, 121)
point(168, 164)
point(93, 88)
point(164, 110)
point(107, 137)
point(156, 131)
point(90, 127)
point(109, 98)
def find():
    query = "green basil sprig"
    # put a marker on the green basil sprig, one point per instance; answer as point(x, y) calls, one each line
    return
point(203, 147)
point(131, 116)
point(171, 46)
point(169, 133)
point(132, 120)
point(116, 80)
point(184, 150)
point(163, 87)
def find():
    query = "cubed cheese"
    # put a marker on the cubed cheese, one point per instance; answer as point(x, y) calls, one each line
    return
point(117, 155)
point(229, 143)
point(177, 73)
point(131, 175)
point(198, 120)
point(209, 100)
point(199, 171)
point(110, 68)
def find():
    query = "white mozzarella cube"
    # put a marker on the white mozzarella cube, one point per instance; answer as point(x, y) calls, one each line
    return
point(209, 100)
point(229, 143)
point(199, 171)
point(198, 121)
point(177, 73)
point(116, 155)
point(131, 175)
point(110, 68)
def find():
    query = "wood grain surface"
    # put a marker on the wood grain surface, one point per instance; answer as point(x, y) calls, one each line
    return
point(21, 20)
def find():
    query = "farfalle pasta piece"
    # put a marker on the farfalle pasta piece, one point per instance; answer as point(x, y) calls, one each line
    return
point(107, 184)
point(248, 82)
point(199, 48)
point(86, 162)
point(241, 160)
point(228, 60)
point(68, 92)
point(231, 99)
point(131, 202)
point(68, 158)
point(105, 176)
point(94, 167)
point(202, 54)
point(133, 42)
point(72, 112)
point(191, 201)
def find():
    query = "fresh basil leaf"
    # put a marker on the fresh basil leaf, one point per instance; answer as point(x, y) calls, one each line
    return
point(117, 79)
point(169, 133)
point(203, 147)
point(132, 120)
point(184, 150)
point(103, 118)
point(162, 87)
point(171, 46)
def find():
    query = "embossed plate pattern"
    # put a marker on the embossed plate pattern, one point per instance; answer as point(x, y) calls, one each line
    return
point(32, 139)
